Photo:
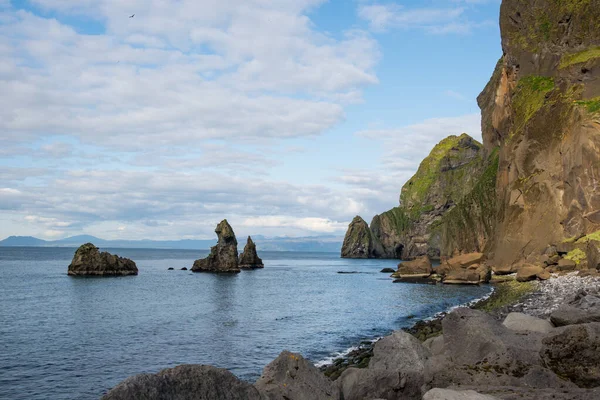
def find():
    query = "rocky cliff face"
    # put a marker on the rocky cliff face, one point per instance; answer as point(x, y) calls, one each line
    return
point(89, 261)
point(451, 171)
point(360, 242)
point(536, 180)
point(542, 110)
point(224, 256)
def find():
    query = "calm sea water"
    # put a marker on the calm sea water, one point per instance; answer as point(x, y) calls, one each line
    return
point(74, 338)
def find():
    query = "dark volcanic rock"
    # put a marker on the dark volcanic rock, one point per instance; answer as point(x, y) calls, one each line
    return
point(249, 258)
point(185, 382)
point(396, 371)
point(184, 269)
point(292, 377)
point(89, 261)
point(359, 242)
point(574, 354)
point(582, 309)
point(388, 270)
point(224, 256)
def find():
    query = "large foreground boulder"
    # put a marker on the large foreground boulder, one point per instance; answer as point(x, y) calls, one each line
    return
point(396, 370)
point(574, 353)
point(529, 272)
point(523, 322)
point(581, 309)
point(224, 256)
point(185, 382)
point(89, 261)
point(292, 377)
point(249, 258)
point(448, 394)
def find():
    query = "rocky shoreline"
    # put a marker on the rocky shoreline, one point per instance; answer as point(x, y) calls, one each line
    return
point(535, 298)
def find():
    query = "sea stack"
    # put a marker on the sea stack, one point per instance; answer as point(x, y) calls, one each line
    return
point(88, 261)
point(249, 259)
point(360, 242)
point(224, 256)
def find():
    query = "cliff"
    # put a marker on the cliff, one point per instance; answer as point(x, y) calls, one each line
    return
point(541, 108)
point(412, 229)
point(534, 182)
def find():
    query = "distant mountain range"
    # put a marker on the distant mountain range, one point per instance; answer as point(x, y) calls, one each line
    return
point(311, 243)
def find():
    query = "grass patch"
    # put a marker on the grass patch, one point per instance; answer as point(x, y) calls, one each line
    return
point(577, 58)
point(591, 236)
point(593, 105)
point(576, 255)
point(506, 293)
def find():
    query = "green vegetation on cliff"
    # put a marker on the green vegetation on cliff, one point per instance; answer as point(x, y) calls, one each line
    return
point(580, 57)
point(417, 192)
point(474, 215)
point(592, 105)
point(529, 97)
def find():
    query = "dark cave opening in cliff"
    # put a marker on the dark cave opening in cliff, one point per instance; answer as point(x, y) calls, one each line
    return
point(398, 251)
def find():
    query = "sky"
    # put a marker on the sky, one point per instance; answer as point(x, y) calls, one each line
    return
point(287, 117)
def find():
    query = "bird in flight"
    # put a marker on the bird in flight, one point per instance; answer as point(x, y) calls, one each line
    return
point(131, 16)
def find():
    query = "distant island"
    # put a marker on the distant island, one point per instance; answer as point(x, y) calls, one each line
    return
point(325, 243)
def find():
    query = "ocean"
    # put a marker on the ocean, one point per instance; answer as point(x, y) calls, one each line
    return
point(74, 338)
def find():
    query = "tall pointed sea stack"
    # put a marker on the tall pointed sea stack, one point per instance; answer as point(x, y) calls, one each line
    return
point(224, 256)
point(249, 258)
point(88, 261)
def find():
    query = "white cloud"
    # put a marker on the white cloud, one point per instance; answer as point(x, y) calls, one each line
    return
point(178, 72)
point(320, 225)
point(436, 20)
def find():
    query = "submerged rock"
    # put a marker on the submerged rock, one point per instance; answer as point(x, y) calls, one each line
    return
point(185, 382)
point(249, 258)
point(292, 377)
point(89, 261)
point(359, 242)
point(224, 256)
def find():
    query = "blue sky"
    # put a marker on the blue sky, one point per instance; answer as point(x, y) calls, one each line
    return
point(288, 117)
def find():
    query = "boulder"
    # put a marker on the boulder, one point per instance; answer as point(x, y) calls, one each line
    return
point(360, 242)
point(528, 272)
point(89, 261)
point(448, 394)
point(249, 258)
point(388, 270)
point(224, 256)
point(471, 336)
point(361, 384)
point(435, 345)
point(292, 377)
point(184, 269)
point(396, 370)
point(185, 382)
point(473, 275)
point(419, 267)
point(399, 350)
point(465, 260)
point(505, 269)
point(523, 322)
point(170, 268)
point(544, 275)
point(566, 265)
point(583, 308)
point(593, 254)
point(573, 354)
